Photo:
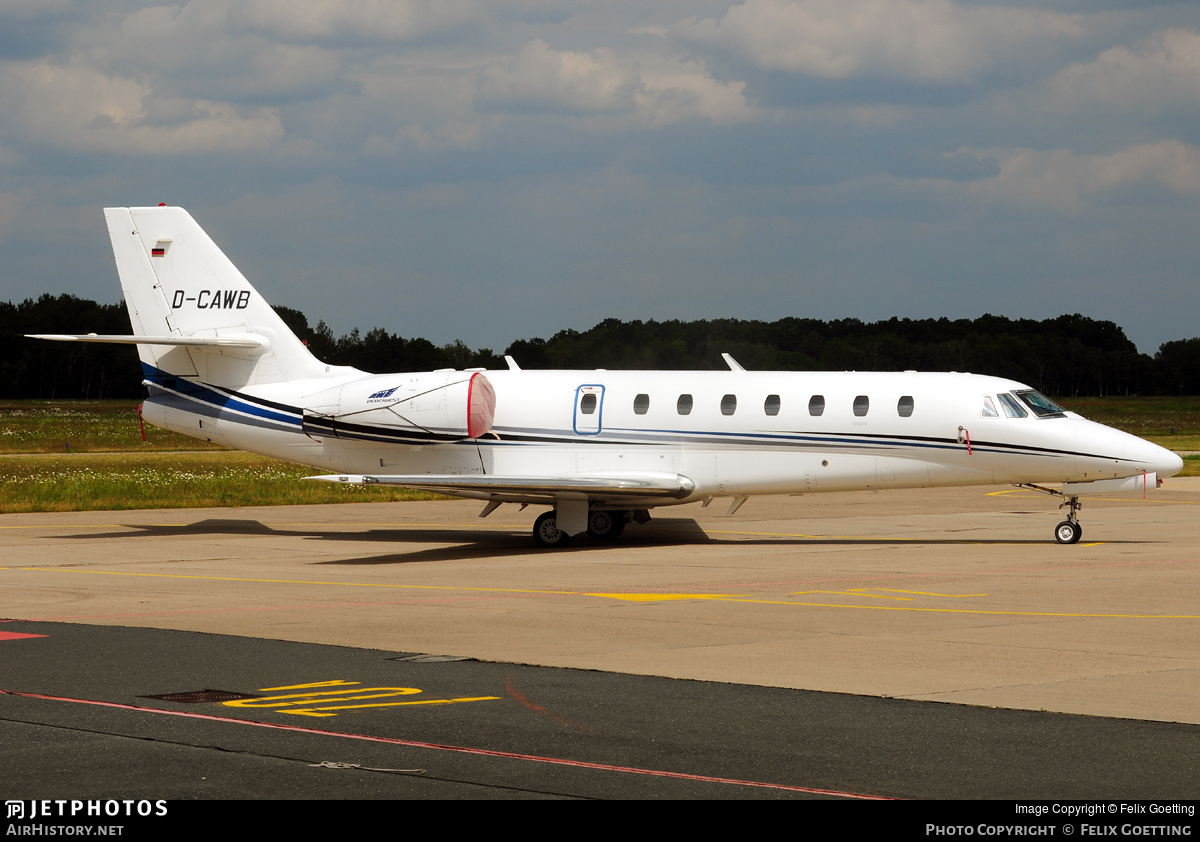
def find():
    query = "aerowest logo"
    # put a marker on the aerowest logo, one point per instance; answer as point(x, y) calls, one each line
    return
point(379, 396)
point(212, 299)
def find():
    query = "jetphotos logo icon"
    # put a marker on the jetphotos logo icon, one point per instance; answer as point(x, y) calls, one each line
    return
point(60, 808)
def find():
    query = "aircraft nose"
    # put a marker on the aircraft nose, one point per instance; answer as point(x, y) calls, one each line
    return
point(1168, 464)
point(1126, 450)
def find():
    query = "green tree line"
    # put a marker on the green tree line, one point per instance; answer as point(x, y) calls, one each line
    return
point(1071, 355)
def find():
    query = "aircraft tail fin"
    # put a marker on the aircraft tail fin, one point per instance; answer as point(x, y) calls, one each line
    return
point(184, 294)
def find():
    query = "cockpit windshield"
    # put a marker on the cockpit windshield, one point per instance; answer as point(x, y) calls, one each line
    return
point(1012, 408)
point(1041, 405)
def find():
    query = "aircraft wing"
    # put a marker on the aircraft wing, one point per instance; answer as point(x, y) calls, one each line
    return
point(622, 487)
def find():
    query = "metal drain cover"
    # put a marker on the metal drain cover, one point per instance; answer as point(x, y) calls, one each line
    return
point(196, 697)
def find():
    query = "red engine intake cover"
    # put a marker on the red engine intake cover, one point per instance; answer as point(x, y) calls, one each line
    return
point(481, 406)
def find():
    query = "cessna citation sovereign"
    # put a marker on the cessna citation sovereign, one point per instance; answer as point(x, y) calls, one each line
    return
point(599, 448)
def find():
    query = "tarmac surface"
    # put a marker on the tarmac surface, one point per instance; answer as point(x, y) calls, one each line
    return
point(796, 649)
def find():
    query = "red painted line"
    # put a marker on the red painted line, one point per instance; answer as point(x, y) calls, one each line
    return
point(534, 758)
point(17, 635)
point(512, 690)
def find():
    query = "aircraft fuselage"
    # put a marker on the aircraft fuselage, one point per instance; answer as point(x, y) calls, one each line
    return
point(735, 433)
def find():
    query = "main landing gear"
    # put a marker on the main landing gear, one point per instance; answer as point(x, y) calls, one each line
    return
point(1069, 531)
point(603, 527)
point(547, 534)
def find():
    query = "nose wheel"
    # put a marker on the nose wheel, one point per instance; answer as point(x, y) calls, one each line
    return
point(1068, 532)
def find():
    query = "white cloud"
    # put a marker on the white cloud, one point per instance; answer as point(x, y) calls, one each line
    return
point(194, 48)
point(1063, 181)
point(673, 91)
point(539, 79)
point(74, 106)
point(661, 89)
point(918, 40)
point(1162, 71)
point(359, 20)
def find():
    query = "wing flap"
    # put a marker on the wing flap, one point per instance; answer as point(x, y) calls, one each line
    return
point(622, 486)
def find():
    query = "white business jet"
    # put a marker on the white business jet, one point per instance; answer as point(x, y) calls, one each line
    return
point(600, 448)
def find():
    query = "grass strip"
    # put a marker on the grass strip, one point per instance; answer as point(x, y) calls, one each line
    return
point(95, 427)
point(103, 481)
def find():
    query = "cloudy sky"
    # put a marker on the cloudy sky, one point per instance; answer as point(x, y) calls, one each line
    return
point(499, 170)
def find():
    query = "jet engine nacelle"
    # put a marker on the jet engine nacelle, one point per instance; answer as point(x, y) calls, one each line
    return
point(438, 405)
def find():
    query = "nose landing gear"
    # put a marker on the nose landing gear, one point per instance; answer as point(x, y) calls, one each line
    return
point(1069, 531)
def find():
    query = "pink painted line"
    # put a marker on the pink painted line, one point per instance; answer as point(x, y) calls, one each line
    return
point(534, 758)
point(17, 635)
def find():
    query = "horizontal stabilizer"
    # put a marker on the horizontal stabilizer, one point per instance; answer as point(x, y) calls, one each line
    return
point(659, 486)
point(239, 340)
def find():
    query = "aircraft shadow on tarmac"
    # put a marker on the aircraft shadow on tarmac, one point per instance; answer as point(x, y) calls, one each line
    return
point(463, 543)
point(503, 541)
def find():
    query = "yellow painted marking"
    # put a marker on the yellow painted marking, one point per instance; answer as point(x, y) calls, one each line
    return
point(853, 593)
point(312, 705)
point(730, 598)
point(812, 537)
point(305, 686)
point(281, 525)
point(321, 711)
point(871, 537)
point(1025, 492)
point(927, 593)
point(286, 581)
point(290, 699)
point(974, 610)
point(84, 526)
point(656, 597)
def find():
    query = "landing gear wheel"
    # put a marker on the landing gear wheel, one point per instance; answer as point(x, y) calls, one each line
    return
point(547, 534)
point(606, 526)
point(1068, 532)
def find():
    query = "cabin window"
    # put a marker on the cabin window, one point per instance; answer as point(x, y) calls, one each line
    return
point(587, 404)
point(905, 406)
point(1041, 405)
point(771, 405)
point(729, 404)
point(684, 405)
point(989, 408)
point(861, 404)
point(1011, 408)
point(641, 404)
point(816, 405)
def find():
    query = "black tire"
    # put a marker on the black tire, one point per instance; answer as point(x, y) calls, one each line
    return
point(605, 526)
point(546, 533)
point(1068, 533)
